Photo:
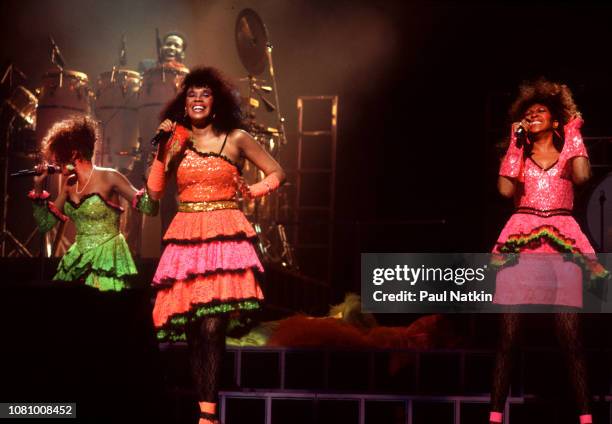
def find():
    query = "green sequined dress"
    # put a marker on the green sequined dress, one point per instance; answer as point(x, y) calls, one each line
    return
point(100, 256)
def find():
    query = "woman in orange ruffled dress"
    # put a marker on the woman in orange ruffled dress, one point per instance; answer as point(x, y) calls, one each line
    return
point(209, 269)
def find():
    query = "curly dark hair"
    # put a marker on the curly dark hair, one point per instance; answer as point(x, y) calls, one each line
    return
point(226, 111)
point(72, 138)
point(557, 97)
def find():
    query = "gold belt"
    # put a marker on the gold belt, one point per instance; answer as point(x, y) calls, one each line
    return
point(214, 205)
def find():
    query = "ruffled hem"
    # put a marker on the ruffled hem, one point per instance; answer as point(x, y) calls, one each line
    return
point(183, 262)
point(98, 281)
point(196, 227)
point(174, 329)
point(42, 200)
point(542, 239)
point(110, 260)
point(222, 288)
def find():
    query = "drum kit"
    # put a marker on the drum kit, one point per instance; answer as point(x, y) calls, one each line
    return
point(127, 104)
point(267, 213)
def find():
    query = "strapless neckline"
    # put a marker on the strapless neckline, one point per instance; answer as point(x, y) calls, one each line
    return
point(82, 200)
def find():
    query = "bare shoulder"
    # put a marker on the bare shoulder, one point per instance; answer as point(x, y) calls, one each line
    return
point(239, 137)
point(109, 173)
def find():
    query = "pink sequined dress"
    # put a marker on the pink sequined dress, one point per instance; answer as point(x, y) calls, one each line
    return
point(543, 224)
point(209, 265)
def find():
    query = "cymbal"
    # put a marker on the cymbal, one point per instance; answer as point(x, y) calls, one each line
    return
point(251, 41)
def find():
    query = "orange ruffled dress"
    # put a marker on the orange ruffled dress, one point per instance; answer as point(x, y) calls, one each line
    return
point(209, 265)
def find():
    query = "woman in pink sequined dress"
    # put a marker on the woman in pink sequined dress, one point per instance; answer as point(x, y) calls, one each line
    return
point(209, 269)
point(545, 158)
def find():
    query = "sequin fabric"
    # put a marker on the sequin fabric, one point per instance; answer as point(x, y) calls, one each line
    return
point(94, 219)
point(100, 256)
point(210, 206)
point(201, 178)
point(189, 227)
point(544, 200)
point(545, 190)
point(209, 265)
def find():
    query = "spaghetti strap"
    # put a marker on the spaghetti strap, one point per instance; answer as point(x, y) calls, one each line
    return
point(223, 146)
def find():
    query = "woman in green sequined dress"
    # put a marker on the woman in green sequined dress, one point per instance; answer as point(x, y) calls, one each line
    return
point(89, 196)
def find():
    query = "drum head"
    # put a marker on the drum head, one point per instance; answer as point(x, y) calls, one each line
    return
point(66, 73)
point(599, 208)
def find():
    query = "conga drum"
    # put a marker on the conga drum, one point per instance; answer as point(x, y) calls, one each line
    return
point(64, 94)
point(117, 109)
point(599, 214)
point(159, 86)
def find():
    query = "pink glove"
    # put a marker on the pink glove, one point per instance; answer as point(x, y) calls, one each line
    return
point(175, 144)
point(574, 144)
point(265, 186)
point(512, 165)
point(157, 177)
point(165, 154)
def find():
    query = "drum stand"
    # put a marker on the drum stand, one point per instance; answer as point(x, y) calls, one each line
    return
point(602, 239)
point(5, 234)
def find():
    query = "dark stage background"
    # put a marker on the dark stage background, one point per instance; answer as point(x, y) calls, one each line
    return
point(423, 92)
point(424, 88)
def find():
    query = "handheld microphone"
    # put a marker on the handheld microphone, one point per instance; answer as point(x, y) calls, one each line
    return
point(51, 169)
point(161, 136)
point(521, 136)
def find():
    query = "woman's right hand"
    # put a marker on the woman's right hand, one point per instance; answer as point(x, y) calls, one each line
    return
point(167, 126)
point(516, 125)
point(43, 171)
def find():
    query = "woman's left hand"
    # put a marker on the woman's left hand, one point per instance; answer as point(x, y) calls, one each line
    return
point(243, 187)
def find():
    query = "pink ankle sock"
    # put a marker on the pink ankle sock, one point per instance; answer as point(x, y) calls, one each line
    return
point(496, 417)
point(586, 419)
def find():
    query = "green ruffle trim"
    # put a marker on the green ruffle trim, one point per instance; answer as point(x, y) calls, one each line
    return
point(516, 243)
point(174, 329)
point(45, 219)
point(104, 267)
point(145, 204)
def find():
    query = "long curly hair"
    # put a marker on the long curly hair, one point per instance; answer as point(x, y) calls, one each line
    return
point(226, 111)
point(555, 96)
point(72, 138)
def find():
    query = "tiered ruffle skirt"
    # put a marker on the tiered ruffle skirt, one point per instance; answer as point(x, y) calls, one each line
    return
point(209, 266)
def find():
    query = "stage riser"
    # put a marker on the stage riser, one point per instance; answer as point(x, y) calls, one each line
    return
point(334, 409)
point(447, 373)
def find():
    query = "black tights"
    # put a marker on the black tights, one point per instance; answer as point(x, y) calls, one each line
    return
point(568, 334)
point(206, 344)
